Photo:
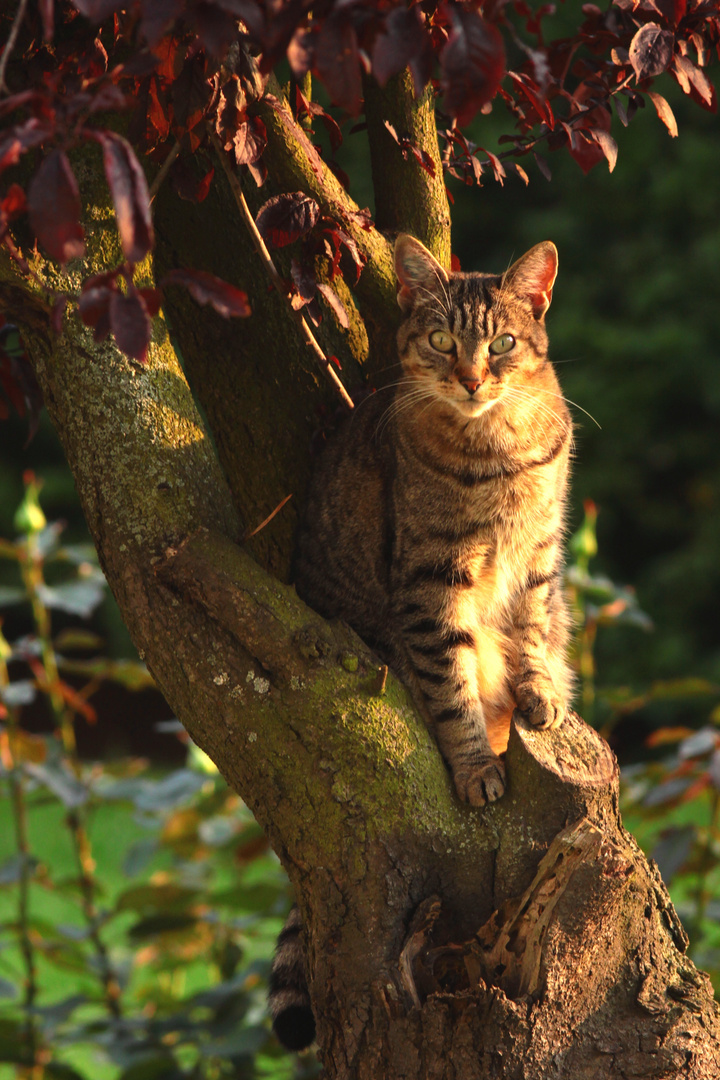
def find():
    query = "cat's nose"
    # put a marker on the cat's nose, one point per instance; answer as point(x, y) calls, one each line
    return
point(471, 385)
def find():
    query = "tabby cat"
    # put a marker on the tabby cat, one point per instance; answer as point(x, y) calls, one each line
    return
point(434, 525)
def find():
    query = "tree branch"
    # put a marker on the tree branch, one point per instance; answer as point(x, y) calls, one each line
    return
point(266, 259)
point(295, 165)
point(407, 197)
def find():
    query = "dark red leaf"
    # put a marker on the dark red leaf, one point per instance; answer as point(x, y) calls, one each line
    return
point(304, 280)
point(694, 82)
point(408, 147)
point(401, 40)
point(216, 29)
point(607, 144)
point(300, 53)
point(94, 306)
point(130, 324)
point(18, 379)
point(337, 61)
point(285, 218)
point(250, 140)
point(14, 202)
point(97, 10)
point(204, 186)
point(363, 218)
point(258, 171)
point(621, 111)
point(157, 112)
point(530, 92)
point(54, 208)
point(543, 166)
point(472, 64)
point(157, 19)
point(664, 112)
point(208, 289)
point(455, 264)
point(496, 165)
point(152, 299)
point(129, 191)
point(650, 51)
point(335, 303)
point(171, 57)
point(191, 94)
point(519, 171)
point(21, 138)
point(586, 151)
point(314, 109)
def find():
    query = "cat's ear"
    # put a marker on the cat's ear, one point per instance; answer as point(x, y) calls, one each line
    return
point(418, 272)
point(532, 277)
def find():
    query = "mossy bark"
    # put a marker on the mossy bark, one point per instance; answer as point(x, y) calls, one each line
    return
point(530, 939)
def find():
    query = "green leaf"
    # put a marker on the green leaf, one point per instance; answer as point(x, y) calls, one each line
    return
point(59, 1070)
point(176, 788)
point(61, 782)
point(12, 869)
point(161, 1065)
point(10, 595)
point(154, 925)
point(156, 898)
point(13, 1041)
point(245, 1042)
point(138, 857)
point(74, 597)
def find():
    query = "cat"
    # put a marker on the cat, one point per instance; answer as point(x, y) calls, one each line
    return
point(435, 519)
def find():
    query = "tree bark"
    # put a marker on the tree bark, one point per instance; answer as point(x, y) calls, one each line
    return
point(527, 939)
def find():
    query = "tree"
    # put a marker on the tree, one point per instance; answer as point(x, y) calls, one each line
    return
point(527, 939)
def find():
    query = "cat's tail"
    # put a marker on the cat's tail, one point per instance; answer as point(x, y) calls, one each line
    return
point(288, 996)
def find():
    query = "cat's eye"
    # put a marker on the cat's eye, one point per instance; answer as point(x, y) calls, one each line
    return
point(502, 344)
point(442, 341)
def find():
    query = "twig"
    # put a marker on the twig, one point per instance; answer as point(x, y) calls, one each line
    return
point(14, 31)
point(164, 170)
point(31, 569)
point(19, 812)
point(248, 533)
point(260, 247)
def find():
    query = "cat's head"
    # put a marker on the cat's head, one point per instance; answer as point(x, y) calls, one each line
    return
point(469, 339)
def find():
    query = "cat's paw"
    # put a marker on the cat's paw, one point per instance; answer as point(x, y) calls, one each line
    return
point(480, 783)
point(540, 705)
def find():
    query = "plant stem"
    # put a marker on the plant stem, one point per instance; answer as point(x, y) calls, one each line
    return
point(31, 566)
point(19, 810)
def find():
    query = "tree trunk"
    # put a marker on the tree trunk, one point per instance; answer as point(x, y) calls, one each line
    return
point(527, 939)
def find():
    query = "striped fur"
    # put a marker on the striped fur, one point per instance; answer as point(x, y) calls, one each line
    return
point(293, 1021)
point(435, 519)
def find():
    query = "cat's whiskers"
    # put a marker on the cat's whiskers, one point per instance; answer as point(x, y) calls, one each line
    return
point(442, 285)
point(537, 410)
point(403, 402)
point(567, 400)
point(444, 309)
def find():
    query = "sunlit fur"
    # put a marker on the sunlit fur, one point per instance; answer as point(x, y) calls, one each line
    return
point(435, 517)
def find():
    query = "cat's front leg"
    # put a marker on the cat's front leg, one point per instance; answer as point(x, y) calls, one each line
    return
point(543, 680)
point(442, 665)
point(477, 772)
